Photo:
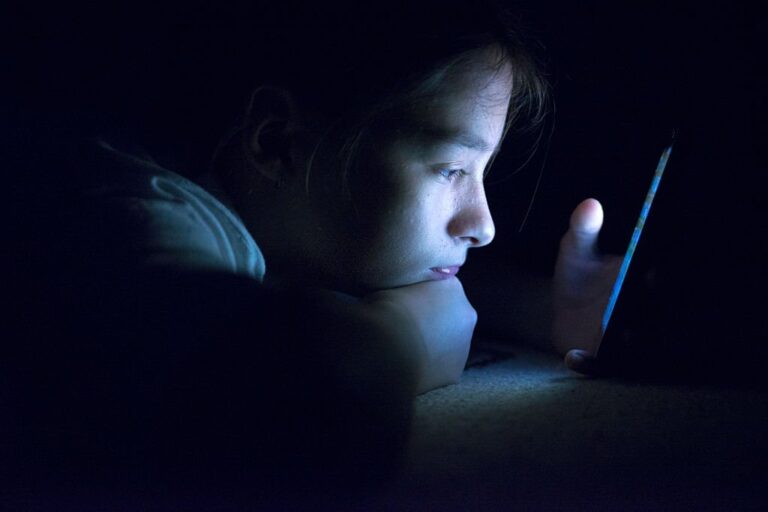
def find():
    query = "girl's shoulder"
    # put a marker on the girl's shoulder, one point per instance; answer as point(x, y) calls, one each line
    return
point(160, 216)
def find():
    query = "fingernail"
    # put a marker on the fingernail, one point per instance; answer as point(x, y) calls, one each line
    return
point(576, 358)
point(582, 362)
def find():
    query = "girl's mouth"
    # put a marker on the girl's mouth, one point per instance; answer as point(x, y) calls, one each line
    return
point(445, 272)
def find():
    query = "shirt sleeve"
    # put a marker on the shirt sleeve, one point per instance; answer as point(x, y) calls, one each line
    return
point(160, 218)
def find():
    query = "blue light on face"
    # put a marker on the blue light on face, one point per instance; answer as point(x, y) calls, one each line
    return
point(636, 236)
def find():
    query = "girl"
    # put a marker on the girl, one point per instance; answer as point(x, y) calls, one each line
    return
point(287, 306)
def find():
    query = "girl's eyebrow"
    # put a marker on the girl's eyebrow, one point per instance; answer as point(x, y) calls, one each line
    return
point(458, 137)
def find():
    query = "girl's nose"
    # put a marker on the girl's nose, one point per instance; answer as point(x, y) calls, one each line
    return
point(472, 222)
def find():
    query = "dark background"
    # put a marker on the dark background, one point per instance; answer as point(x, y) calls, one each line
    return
point(623, 76)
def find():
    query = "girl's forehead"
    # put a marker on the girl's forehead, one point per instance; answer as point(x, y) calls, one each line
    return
point(477, 96)
point(460, 123)
point(480, 84)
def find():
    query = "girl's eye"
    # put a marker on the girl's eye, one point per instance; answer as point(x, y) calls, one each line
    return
point(450, 174)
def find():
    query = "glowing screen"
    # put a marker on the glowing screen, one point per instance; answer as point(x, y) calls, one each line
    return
point(636, 235)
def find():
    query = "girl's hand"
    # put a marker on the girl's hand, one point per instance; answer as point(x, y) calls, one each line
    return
point(440, 323)
point(582, 286)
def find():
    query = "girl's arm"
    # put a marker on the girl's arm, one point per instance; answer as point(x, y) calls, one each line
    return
point(174, 373)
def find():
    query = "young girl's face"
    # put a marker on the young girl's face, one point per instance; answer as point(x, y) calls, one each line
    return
point(418, 197)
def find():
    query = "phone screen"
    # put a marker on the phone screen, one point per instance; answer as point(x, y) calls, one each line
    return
point(636, 236)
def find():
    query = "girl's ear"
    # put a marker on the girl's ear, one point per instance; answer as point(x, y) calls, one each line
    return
point(272, 124)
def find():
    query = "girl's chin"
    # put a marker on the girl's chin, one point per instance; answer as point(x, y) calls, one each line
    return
point(350, 284)
point(399, 282)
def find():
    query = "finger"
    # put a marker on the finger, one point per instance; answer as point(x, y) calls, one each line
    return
point(582, 361)
point(586, 221)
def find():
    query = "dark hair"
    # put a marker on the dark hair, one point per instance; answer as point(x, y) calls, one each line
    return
point(346, 58)
point(343, 62)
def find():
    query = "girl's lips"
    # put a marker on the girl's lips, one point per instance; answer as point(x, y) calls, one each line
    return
point(445, 272)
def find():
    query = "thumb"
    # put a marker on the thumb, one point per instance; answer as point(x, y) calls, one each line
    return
point(585, 224)
point(583, 362)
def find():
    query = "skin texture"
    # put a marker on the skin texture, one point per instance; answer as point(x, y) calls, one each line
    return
point(581, 288)
point(425, 192)
point(417, 203)
point(417, 200)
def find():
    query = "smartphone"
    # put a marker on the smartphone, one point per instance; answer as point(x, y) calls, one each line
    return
point(629, 314)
